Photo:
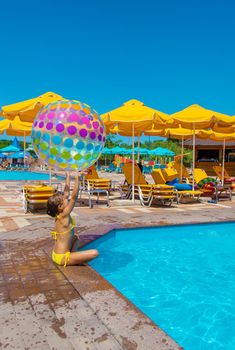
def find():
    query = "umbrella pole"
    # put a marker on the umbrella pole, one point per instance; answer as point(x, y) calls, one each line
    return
point(193, 153)
point(50, 176)
point(182, 156)
point(133, 164)
point(223, 163)
point(24, 147)
point(138, 148)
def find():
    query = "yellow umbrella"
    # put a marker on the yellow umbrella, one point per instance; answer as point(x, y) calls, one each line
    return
point(178, 133)
point(27, 110)
point(215, 136)
point(224, 129)
point(132, 119)
point(133, 112)
point(197, 117)
point(183, 133)
point(168, 132)
point(16, 127)
point(202, 134)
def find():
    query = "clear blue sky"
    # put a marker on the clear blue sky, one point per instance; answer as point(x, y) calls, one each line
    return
point(168, 54)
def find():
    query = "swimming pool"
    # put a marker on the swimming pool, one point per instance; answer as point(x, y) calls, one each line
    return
point(182, 277)
point(23, 176)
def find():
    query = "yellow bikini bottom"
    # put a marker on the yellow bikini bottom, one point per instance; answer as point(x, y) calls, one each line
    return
point(57, 258)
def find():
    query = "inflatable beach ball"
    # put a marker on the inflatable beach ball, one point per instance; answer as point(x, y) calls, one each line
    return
point(68, 135)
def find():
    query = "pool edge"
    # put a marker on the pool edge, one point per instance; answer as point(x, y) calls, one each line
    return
point(127, 323)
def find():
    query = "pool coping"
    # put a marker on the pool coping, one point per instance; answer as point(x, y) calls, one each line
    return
point(128, 324)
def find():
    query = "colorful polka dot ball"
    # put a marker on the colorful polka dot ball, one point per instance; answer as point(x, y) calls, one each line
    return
point(68, 135)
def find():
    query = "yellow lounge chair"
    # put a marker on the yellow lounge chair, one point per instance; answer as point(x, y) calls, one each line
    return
point(169, 174)
point(147, 193)
point(210, 187)
point(158, 177)
point(186, 177)
point(94, 180)
point(92, 173)
point(161, 176)
point(94, 185)
point(98, 187)
point(218, 170)
point(36, 196)
point(229, 181)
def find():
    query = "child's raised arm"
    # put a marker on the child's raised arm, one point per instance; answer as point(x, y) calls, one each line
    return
point(74, 195)
point(67, 186)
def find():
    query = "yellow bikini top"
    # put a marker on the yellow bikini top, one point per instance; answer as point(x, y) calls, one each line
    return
point(72, 225)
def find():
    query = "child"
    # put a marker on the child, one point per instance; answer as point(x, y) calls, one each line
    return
point(60, 206)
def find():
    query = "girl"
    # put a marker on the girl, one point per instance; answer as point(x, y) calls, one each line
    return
point(60, 206)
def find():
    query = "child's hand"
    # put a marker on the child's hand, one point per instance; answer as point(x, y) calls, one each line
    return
point(68, 175)
point(79, 173)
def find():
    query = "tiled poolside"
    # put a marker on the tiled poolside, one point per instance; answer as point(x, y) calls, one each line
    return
point(46, 307)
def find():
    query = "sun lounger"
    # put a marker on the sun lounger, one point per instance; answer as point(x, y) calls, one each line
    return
point(149, 193)
point(96, 180)
point(230, 181)
point(36, 196)
point(170, 174)
point(94, 185)
point(210, 187)
point(92, 173)
point(158, 177)
point(98, 187)
point(186, 177)
point(184, 190)
point(146, 193)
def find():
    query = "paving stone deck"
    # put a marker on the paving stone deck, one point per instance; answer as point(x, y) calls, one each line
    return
point(43, 306)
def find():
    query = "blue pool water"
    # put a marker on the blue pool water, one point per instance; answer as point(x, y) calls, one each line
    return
point(22, 176)
point(182, 277)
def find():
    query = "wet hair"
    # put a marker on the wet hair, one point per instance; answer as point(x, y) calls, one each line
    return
point(53, 204)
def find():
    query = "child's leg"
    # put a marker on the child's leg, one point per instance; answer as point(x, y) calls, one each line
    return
point(78, 258)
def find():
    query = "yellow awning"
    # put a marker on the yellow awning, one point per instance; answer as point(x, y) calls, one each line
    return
point(132, 114)
point(27, 110)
